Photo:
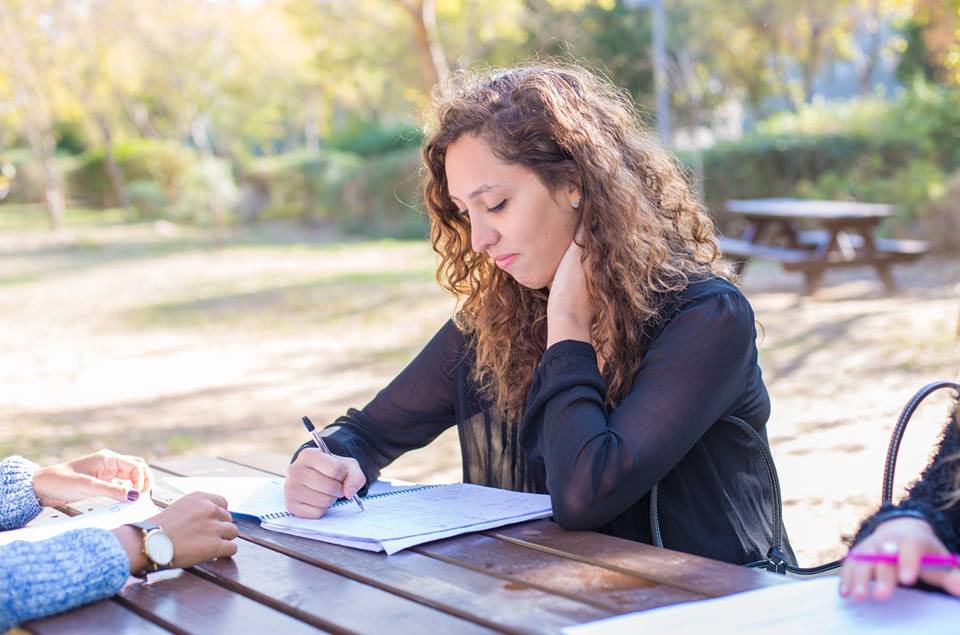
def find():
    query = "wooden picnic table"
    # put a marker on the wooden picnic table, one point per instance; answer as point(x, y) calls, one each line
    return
point(528, 578)
point(814, 236)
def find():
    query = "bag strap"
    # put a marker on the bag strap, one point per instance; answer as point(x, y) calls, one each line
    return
point(894, 448)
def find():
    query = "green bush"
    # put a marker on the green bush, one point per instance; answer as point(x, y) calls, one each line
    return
point(164, 162)
point(303, 184)
point(762, 166)
point(368, 138)
point(940, 220)
point(146, 197)
point(384, 198)
point(208, 178)
point(913, 188)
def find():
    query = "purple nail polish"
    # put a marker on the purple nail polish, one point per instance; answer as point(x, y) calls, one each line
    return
point(133, 495)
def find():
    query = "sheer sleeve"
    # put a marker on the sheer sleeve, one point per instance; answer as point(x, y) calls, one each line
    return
point(598, 463)
point(929, 496)
point(409, 413)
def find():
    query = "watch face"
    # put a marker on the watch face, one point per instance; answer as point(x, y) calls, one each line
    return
point(159, 548)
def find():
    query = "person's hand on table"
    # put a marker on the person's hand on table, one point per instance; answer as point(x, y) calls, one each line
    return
point(198, 525)
point(103, 473)
point(910, 539)
point(317, 479)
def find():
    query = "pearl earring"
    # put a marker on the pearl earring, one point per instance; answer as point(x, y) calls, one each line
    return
point(575, 202)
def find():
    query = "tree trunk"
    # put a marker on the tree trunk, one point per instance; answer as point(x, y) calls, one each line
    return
point(869, 57)
point(198, 132)
point(113, 168)
point(433, 61)
point(41, 141)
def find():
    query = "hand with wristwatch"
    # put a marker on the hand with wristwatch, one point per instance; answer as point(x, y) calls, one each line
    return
point(195, 528)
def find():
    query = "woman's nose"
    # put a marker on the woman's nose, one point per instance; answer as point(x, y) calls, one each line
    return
point(482, 235)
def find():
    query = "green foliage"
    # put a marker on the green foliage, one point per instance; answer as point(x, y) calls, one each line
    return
point(912, 187)
point(374, 196)
point(773, 165)
point(146, 197)
point(898, 151)
point(304, 184)
point(368, 138)
point(70, 136)
point(384, 198)
point(164, 162)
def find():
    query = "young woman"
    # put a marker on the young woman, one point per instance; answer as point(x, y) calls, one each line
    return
point(598, 337)
point(83, 565)
point(926, 522)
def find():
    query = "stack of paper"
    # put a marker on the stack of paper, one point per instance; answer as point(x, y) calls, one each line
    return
point(396, 516)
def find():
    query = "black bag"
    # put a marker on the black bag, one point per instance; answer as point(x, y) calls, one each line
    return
point(776, 558)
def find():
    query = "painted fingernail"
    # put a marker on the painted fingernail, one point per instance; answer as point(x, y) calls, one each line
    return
point(860, 590)
point(843, 590)
point(133, 495)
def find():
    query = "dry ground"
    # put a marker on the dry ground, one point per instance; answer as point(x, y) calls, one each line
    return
point(157, 344)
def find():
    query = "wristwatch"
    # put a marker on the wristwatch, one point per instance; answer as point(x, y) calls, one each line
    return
point(157, 546)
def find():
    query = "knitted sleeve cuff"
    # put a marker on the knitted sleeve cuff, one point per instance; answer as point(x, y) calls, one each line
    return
point(18, 502)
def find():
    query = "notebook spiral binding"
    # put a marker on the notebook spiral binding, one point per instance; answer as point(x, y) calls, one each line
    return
point(347, 501)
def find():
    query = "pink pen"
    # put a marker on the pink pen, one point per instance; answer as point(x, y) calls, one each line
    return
point(928, 560)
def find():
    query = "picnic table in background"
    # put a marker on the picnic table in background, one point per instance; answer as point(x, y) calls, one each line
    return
point(814, 236)
point(527, 578)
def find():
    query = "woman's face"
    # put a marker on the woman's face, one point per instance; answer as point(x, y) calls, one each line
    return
point(514, 218)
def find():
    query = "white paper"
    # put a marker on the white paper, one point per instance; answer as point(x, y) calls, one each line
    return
point(257, 496)
point(109, 517)
point(798, 608)
point(246, 495)
point(395, 522)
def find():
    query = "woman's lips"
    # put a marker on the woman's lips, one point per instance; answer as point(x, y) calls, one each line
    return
point(505, 261)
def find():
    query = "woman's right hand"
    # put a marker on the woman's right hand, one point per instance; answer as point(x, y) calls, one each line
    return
point(199, 526)
point(910, 538)
point(317, 479)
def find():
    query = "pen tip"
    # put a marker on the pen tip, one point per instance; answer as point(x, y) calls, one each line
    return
point(307, 423)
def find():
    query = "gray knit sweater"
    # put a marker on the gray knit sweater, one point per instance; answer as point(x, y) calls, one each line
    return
point(53, 575)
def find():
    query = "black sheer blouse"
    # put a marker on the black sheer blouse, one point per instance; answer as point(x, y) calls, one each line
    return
point(599, 465)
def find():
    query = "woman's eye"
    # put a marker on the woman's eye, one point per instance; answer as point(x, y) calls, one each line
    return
point(498, 207)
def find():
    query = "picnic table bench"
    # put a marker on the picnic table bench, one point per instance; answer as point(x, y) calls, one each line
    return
point(844, 237)
point(532, 577)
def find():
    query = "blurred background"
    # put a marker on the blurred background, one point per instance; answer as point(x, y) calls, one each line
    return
point(210, 220)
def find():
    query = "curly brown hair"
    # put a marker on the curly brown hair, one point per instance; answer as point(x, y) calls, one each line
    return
point(644, 234)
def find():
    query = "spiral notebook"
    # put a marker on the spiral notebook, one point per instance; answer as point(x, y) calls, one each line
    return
point(397, 516)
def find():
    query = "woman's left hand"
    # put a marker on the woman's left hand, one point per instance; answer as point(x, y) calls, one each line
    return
point(569, 314)
point(91, 475)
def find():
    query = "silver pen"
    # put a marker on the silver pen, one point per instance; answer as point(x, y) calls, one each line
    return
point(323, 446)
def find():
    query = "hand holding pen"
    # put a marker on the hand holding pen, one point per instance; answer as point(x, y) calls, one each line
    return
point(323, 446)
point(317, 478)
point(899, 551)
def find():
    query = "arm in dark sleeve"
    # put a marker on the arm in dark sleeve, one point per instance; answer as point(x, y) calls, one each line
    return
point(409, 413)
point(926, 497)
point(599, 464)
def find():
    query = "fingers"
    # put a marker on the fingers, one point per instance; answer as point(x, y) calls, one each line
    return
point(354, 480)
point(227, 548)
point(951, 582)
point(88, 486)
point(305, 510)
point(108, 465)
point(908, 565)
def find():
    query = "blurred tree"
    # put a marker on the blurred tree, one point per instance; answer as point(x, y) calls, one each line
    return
point(31, 86)
point(932, 43)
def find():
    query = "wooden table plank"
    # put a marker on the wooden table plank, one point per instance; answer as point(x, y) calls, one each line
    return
point(680, 570)
point(599, 585)
point(107, 615)
point(186, 603)
point(323, 598)
point(485, 599)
